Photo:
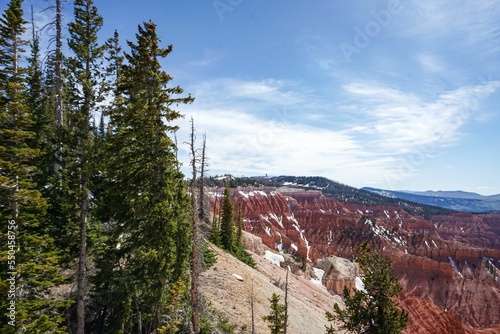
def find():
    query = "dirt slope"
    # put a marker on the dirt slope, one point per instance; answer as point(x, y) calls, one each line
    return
point(308, 302)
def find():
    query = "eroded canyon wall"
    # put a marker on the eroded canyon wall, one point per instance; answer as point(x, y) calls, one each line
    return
point(449, 265)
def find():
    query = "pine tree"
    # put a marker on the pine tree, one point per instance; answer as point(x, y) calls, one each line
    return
point(276, 319)
point(230, 239)
point(107, 295)
point(215, 235)
point(371, 310)
point(239, 231)
point(149, 210)
point(59, 184)
point(114, 59)
point(43, 117)
point(32, 258)
point(85, 78)
point(227, 220)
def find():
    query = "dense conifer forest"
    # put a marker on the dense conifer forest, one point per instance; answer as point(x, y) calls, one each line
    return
point(94, 210)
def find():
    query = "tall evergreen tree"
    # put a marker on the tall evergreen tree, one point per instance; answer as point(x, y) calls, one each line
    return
point(227, 220)
point(58, 85)
point(32, 258)
point(230, 238)
point(148, 202)
point(84, 67)
point(114, 62)
point(59, 184)
point(215, 235)
point(35, 83)
point(43, 118)
point(115, 59)
point(371, 310)
point(238, 245)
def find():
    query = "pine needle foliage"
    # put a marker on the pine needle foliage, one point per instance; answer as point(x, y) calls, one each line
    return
point(371, 310)
point(276, 319)
point(27, 251)
point(227, 220)
point(230, 235)
point(146, 197)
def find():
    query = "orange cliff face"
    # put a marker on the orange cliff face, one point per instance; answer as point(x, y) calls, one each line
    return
point(449, 265)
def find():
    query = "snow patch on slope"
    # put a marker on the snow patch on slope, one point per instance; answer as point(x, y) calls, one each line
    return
point(385, 233)
point(319, 274)
point(302, 235)
point(274, 258)
point(454, 265)
point(358, 284)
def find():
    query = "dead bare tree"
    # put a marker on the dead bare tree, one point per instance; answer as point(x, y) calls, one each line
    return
point(201, 208)
point(285, 325)
point(58, 80)
point(195, 302)
point(252, 310)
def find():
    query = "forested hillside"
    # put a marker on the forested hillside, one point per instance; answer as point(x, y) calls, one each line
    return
point(95, 213)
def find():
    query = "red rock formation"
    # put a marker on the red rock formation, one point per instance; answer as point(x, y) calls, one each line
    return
point(427, 318)
point(449, 265)
point(339, 273)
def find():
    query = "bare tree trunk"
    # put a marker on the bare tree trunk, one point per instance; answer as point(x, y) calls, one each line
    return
point(194, 262)
point(58, 65)
point(84, 169)
point(285, 325)
point(201, 208)
point(85, 173)
point(58, 86)
point(251, 307)
point(82, 263)
point(14, 205)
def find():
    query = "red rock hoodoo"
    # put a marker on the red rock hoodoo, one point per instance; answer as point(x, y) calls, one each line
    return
point(448, 265)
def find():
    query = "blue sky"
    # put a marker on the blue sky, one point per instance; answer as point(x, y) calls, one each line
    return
point(399, 94)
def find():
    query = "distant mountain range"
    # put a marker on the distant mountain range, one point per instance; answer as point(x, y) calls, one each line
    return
point(422, 203)
point(454, 200)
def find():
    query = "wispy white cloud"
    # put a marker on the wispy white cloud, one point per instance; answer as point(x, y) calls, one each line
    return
point(431, 63)
point(386, 125)
point(398, 122)
point(269, 91)
point(467, 22)
point(248, 135)
point(242, 143)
